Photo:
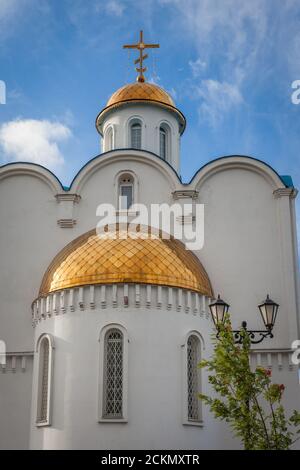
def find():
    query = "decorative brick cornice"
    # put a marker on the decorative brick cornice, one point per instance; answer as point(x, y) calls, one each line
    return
point(186, 219)
point(66, 223)
point(290, 192)
point(185, 194)
point(66, 203)
point(68, 197)
point(135, 296)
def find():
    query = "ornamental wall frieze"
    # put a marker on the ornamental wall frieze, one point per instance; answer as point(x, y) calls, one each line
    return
point(16, 362)
point(273, 359)
point(120, 296)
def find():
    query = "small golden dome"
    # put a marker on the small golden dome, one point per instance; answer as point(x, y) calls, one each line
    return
point(140, 92)
point(104, 259)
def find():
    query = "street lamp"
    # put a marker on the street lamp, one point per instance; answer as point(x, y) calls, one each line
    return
point(218, 310)
point(268, 310)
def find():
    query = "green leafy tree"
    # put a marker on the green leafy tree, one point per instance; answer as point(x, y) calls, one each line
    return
point(247, 399)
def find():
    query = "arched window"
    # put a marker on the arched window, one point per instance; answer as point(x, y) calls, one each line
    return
point(109, 139)
point(45, 356)
point(113, 375)
point(126, 190)
point(136, 135)
point(193, 378)
point(163, 142)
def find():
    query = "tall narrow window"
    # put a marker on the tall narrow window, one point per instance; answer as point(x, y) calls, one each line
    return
point(109, 140)
point(126, 192)
point(193, 379)
point(163, 143)
point(113, 375)
point(136, 136)
point(44, 380)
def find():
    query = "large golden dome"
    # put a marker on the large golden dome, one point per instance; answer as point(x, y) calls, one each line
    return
point(140, 92)
point(104, 259)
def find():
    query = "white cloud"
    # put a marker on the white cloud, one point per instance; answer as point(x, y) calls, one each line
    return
point(11, 13)
point(246, 35)
point(293, 56)
point(173, 93)
point(197, 67)
point(217, 99)
point(154, 79)
point(8, 13)
point(7, 8)
point(115, 8)
point(23, 19)
point(112, 7)
point(33, 141)
point(230, 37)
point(228, 23)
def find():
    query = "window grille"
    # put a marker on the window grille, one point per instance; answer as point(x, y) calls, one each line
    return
point(43, 397)
point(193, 358)
point(113, 375)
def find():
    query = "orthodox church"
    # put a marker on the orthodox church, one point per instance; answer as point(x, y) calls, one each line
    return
point(103, 332)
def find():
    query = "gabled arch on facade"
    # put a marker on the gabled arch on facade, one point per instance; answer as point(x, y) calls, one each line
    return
point(33, 170)
point(232, 162)
point(120, 155)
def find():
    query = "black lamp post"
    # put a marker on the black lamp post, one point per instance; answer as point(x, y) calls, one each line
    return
point(268, 310)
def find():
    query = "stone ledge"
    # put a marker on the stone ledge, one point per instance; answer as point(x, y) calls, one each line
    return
point(68, 197)
point(291, 192)
point(185, 194)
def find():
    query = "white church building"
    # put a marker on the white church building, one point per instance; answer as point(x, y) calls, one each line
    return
point(103, 333)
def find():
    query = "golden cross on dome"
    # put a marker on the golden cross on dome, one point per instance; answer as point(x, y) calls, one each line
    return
point(141, 46)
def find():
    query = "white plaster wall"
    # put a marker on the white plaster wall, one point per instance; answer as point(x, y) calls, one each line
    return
point(155, 383)
point(243, 253)
point(29, 239)
point(151, 117)
point(15, 405)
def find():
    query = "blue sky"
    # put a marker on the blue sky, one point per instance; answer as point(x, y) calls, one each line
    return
point(229, 65)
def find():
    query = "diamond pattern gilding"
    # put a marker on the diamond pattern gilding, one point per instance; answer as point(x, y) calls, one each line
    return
point(103, 259)
point(140, 91)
